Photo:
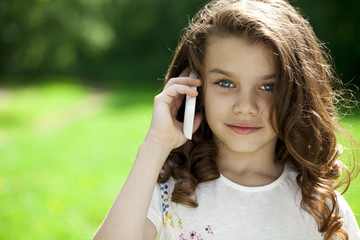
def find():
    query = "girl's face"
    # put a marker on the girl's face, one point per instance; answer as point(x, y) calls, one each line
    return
point(239, 80)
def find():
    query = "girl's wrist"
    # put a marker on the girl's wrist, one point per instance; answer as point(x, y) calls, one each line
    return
point(152, 152)
point(158, 143)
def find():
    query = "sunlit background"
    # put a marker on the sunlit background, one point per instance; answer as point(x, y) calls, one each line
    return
point(77, 80)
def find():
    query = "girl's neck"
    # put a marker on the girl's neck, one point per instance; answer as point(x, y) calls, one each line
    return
point(249, 169)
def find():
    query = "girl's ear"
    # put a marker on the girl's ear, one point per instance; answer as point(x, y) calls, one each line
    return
point(197, 121)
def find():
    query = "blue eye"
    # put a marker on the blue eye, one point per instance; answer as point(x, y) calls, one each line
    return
point(268, 87)
point(225, 84)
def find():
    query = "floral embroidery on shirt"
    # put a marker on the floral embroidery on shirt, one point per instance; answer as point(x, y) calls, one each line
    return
point(181, 237)
point(171, 217)
point(180, 223)
point(193, 235)
point(165, 206)
point(209, 230)
point(165, 198)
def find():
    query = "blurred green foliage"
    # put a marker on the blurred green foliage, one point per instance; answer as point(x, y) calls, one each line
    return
point(125, 39)
point(96, 39)
point(337, 24)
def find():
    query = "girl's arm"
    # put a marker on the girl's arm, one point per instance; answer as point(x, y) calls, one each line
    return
point(127, 217)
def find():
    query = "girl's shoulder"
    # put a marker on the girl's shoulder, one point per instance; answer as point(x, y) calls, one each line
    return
point(344, 208)
point(350, 223)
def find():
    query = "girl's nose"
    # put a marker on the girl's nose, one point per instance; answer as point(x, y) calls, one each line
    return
point(245, 103)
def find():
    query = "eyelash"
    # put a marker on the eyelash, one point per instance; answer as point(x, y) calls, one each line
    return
point(221, 84)
point(269, 87)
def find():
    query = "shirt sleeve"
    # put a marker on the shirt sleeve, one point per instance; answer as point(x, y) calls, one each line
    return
point(155, 211)
point(350, 225)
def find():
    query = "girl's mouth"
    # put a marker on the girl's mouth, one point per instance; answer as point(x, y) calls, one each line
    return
point(243, 130)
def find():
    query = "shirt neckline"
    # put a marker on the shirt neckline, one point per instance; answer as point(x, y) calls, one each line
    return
point(266, 187)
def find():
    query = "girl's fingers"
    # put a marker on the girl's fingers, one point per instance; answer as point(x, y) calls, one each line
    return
point(183, 79)
point(169, 94)
point(178, 101)
point(173, 97)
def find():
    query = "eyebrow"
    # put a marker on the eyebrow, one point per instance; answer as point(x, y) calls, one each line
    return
point(229, 74)
point(221, 71)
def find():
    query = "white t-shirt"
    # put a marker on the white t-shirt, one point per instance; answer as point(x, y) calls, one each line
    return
point(228, 211)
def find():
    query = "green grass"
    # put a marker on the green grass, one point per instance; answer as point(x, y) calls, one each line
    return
point(65, 151)
point(57, 180)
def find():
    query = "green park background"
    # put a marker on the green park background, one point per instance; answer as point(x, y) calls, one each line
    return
point(77, 81)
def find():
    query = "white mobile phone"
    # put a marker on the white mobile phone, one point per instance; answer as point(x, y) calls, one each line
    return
point(189, 112)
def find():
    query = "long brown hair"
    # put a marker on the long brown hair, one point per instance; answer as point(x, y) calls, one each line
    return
point(304, 105)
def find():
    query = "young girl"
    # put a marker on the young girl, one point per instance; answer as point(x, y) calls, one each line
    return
point(263, 162)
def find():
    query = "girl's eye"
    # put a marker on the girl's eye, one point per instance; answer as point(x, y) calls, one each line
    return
point(225, 84)
point(268, 87)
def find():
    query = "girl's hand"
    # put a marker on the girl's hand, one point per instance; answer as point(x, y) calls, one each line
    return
point(165, 129)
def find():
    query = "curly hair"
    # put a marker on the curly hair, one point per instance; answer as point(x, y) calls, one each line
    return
point(304, 106)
